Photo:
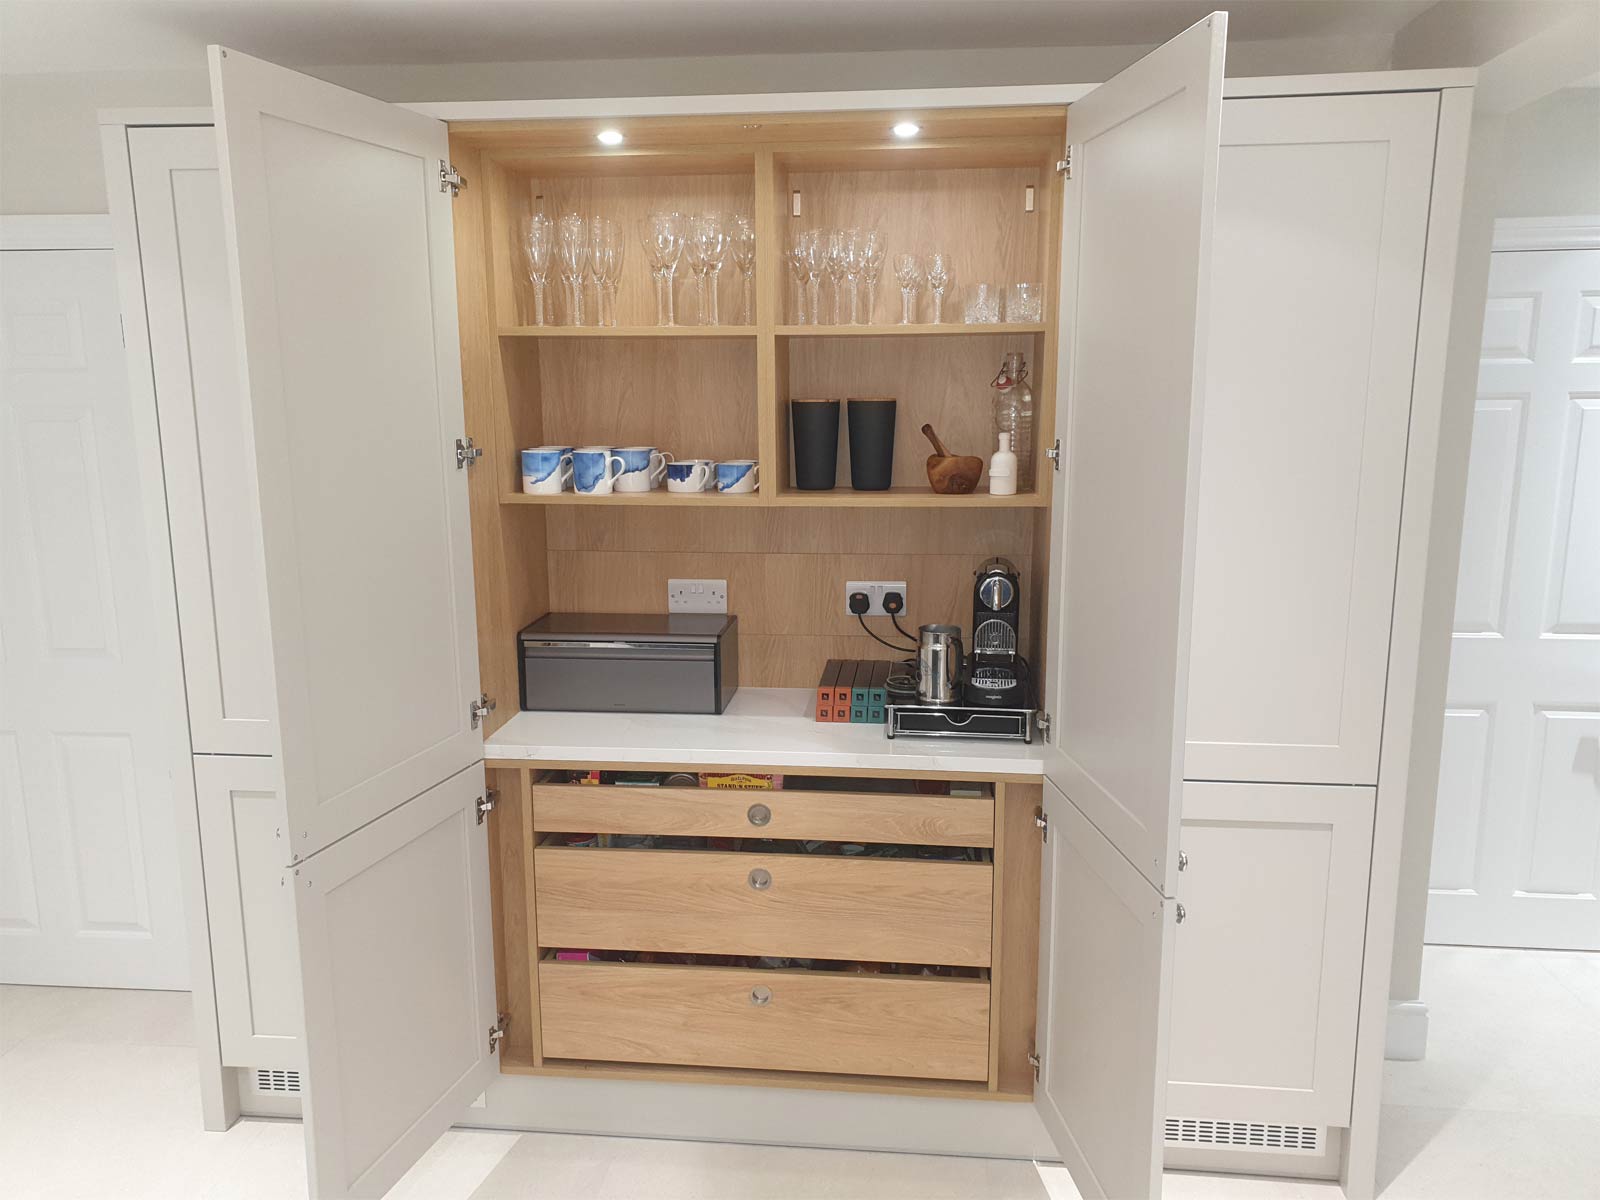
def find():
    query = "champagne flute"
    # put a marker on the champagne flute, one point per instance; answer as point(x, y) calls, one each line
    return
point(850, 247)
point(695, 246)
point(742, 235)
point(908, 271)
point(573, 234)
point(799, 269)
point(661, 234)
point(714, 236)
point(815, 254)
point(538, 240)
point(833, 253)
point(597, 266)
point(937, 272)
point(873, 252)
point(616, 247)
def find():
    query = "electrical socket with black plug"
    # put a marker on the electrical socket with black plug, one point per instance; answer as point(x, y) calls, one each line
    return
point(875, 592)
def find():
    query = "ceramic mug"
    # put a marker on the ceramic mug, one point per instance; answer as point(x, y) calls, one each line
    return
point(546, 470)
point(690, 475)
point(737, 475)
point(595, 470)
point(643, 469)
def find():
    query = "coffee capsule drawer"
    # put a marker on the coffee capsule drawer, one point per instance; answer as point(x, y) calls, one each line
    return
point(820, 1021)
point(801, 906)
point(843, 816)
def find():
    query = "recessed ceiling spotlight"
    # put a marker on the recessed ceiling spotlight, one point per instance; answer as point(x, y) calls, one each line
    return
point(609, 137)
point(907, 129)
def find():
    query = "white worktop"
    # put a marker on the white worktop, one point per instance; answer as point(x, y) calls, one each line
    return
point(763, 727)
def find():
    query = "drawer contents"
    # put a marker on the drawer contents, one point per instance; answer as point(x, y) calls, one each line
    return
point(783, 1020)
point(803, 905)
point(751, 962)
point(860, 817)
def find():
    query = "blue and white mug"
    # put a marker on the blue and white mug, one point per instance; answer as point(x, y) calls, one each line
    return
point(737, 475)
point(595, 470)
point(691, 475)
point(643, 469)
point(546, 470)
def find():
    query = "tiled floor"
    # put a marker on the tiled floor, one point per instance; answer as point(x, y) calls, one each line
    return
point(98, 1098)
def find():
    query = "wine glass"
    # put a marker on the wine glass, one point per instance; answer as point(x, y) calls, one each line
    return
point(661, 234)
point(573, 237)
point(742, 236)
point(908, 271)
point(538, 241)
point(616, 248)
point(937, 273)
point(833, 254)
point(695, 246)
point(815, 256)
point(873, 252)
point(850, 247)
point(711, 232)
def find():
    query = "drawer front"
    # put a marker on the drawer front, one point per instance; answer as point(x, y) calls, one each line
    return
point(879, 910)
point(807, 816)
point(767, 1020)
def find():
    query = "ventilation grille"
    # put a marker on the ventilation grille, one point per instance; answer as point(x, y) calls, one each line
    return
point(1244, 1135)
point(277, 1081)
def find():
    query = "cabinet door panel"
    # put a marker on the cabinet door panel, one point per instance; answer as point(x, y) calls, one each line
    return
point(1135, 251)
point(1322, 219)
point(250, 910)
point(1268, 969)
point(208, 462)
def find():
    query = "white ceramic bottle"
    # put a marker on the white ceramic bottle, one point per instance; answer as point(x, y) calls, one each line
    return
point(1003, 469)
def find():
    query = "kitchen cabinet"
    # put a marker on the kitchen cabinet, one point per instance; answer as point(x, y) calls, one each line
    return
point(383, 319)
point(1264, 992)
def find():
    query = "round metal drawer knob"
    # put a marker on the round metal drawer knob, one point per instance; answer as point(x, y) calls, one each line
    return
point(760, 879)
point(759, 814)
point(760, 994)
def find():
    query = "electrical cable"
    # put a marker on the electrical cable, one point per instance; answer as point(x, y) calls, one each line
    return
point(895, 617)
point(876, 638)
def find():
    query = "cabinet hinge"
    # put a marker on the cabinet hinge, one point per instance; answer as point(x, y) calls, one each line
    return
point(1053, 453)
point(1041, 720)
point(1064, 164)
point(480, 708)
point(450, 179)
point(466, 453)
point(1034, 1061)
point(497, 1033)
point(1182, 913)
point(1043, 824)
point(486, 803)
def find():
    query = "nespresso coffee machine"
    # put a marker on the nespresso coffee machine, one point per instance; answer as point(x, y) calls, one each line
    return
point(997, 675)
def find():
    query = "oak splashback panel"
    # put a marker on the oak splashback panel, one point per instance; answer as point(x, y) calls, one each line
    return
point(785, 570)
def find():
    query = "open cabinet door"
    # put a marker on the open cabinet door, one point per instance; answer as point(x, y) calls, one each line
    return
point(1135, 250)
point(339, 227)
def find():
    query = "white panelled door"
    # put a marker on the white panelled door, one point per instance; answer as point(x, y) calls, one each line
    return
point(1516, 854)
point(340, 233)
point(89, 891)
point(1135, 255)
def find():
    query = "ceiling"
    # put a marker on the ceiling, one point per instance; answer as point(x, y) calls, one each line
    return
point(100, 35)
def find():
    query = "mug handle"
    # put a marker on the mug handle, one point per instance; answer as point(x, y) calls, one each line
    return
point(658, 466)
point(565, 471)
point(699, 475)
point(755, 476)
point(622, 465)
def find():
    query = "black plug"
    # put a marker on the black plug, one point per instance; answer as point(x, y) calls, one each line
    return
point(894, 603)
point(859, 603)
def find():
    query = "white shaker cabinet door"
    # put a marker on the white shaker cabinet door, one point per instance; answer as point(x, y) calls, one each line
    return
point(250, 909)
point(1135, 246)
point(339, 228)
point(1267, 974)
point(207, 458)
point(1322, 220)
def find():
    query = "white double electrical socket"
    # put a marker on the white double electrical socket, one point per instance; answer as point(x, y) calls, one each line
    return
point(697, 595)
point(875, 590)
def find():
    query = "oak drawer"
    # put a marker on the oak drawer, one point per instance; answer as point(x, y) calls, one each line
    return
point(702, 902)
point(835, 1022)
point(906, 818)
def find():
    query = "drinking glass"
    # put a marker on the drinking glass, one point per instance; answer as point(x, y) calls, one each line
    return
point(597, 266)
point(695, 245)
point(833, 256)
point(712, 234)
point(937, 272)
point(1025, 302)
point(816, 250)
point(538, 241)
point(661, 234)
point(908, 273)
point(873, 252)
point(850, 247)
point(616, 252)
point(573, 235)
point(983, 304)
point(797, 257)
point(742, 236)
point(606, 246)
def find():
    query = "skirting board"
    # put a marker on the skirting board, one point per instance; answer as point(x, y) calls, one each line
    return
point(1406, 1038)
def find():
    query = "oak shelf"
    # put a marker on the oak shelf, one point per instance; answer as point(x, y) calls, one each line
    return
point(947, 330)
point(899, 497)
point(628, 331)
point(660, 498)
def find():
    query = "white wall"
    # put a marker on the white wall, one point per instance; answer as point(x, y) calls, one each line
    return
point(50, 149)
point(1551, 164)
